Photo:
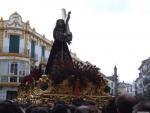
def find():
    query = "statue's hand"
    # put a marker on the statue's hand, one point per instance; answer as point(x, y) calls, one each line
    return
point(69, 12)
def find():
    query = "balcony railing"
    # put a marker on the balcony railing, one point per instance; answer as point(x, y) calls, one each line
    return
point(21, 52)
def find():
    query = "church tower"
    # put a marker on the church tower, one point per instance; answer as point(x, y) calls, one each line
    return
point(115, 76)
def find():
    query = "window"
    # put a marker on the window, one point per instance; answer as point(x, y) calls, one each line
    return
point(11, 95)
point(140, 85)
point(23, 73)
point(128, 90)
point(20, 79)
point(14, 68)
point(111, 84)
point(20, 72)
point(32, 49)
point(22, 69)
point(14, 44)
point(131, 89)
point(13, 79)
point(43, 51)
point(4, 78)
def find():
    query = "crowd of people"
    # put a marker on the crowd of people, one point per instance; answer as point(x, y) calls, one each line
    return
point(126, 104)
point(120, 104)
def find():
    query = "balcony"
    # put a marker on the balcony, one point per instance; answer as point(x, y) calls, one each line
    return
point(21, 53)
point(146, 80)
point(148, 72)
point(9, 81)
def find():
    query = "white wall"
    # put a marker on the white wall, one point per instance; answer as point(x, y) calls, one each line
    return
point(4, 68)
point(6, 45)
point(21, 46)
point(38, 53)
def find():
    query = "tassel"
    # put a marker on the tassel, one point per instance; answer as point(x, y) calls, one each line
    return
point(77, 88)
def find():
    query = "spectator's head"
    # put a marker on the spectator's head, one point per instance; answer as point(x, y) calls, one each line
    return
point(59, 102)
point(143, 106)
point(29, 108)
point(10, 107)
point(72, 108)
point(92, 107)
point(78, 102)
point(41, 110)
point(59, 108)
point(82, 109)
point(124, 104)
point(38, 109)
point(110, 106)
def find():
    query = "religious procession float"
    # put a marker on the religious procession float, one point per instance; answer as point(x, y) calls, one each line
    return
point(64, 79)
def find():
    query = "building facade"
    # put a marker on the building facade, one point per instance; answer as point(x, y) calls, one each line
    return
point(125, 89)
point(111, 85)
point(139, 87)
point(20, 48)
point(142, 83)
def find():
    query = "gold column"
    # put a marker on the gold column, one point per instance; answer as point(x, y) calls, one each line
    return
point(26, 37)
point(1, 33)
point(1, 40)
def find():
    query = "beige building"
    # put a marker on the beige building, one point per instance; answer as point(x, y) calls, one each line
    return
point(20, 48)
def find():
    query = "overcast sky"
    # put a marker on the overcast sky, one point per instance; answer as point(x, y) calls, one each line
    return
point(105, 32)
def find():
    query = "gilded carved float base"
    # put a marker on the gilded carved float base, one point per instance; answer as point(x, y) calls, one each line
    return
point(36, 95)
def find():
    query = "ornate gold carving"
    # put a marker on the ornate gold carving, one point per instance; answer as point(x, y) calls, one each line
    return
point(62, 91)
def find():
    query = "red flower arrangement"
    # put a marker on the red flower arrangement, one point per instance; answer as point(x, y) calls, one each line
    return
point(34, 75)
